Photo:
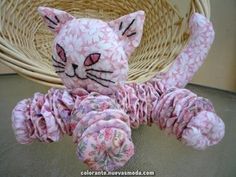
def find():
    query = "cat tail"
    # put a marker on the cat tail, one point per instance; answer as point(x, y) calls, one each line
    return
point(192, 56)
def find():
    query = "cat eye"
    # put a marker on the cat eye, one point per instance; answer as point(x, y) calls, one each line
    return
point(61, 52)
point(92, 59)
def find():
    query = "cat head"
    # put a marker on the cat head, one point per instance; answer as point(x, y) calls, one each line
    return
point(91, 53)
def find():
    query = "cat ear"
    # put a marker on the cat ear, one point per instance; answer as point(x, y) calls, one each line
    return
point(129, 29)
point(54, 18)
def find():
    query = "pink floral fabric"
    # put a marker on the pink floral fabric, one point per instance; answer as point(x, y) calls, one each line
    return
point(137, 100)
point(91, 53)
point(102, 132)
point(43, 117)
point(98, 109)
point(96, 122)
point(177, 111)
point(109, 148)
point(193, 55)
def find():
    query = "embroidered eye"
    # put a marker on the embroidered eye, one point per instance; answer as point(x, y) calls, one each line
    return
point(61, 52)
point(92, 59)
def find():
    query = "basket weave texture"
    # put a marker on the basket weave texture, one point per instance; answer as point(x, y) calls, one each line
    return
point(25, 42)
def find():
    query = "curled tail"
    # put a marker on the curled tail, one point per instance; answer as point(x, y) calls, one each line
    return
point(193, 55)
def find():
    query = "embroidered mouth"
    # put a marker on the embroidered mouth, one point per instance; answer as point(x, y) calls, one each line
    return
point(90, 73)
point(75, 75)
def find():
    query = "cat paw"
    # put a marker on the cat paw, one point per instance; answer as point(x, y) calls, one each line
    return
point(204, 130)
point(107, 149)
point(19, 122)
point(33, 119)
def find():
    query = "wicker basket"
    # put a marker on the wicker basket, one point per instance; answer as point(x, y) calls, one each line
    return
point(25, 42)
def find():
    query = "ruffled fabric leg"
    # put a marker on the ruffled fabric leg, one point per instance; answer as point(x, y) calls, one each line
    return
point(190, 118)
point(44, 117)
point(103, 134)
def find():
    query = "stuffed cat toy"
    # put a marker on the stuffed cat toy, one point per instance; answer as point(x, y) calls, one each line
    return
point(98, 109)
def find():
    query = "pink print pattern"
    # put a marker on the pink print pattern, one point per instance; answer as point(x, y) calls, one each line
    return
point(91, 53)
point(193, 55)
point(98, 109)
point(177, 111)
point(98, 125)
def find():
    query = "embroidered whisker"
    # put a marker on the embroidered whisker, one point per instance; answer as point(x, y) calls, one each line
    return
point(128, 27)
point(120, 27)
point(131, 34)
point(58, 61)
point(60, 71)
point(97, 70)
point(100, 78)
point(59, 66)
point(50, 20)
point(51, 27)
point(96, 81)
point(58, 21)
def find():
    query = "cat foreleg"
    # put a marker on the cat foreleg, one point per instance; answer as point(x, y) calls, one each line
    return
point(43, 117)
point(102, 133)
point(190, 118)
point(180, 112)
